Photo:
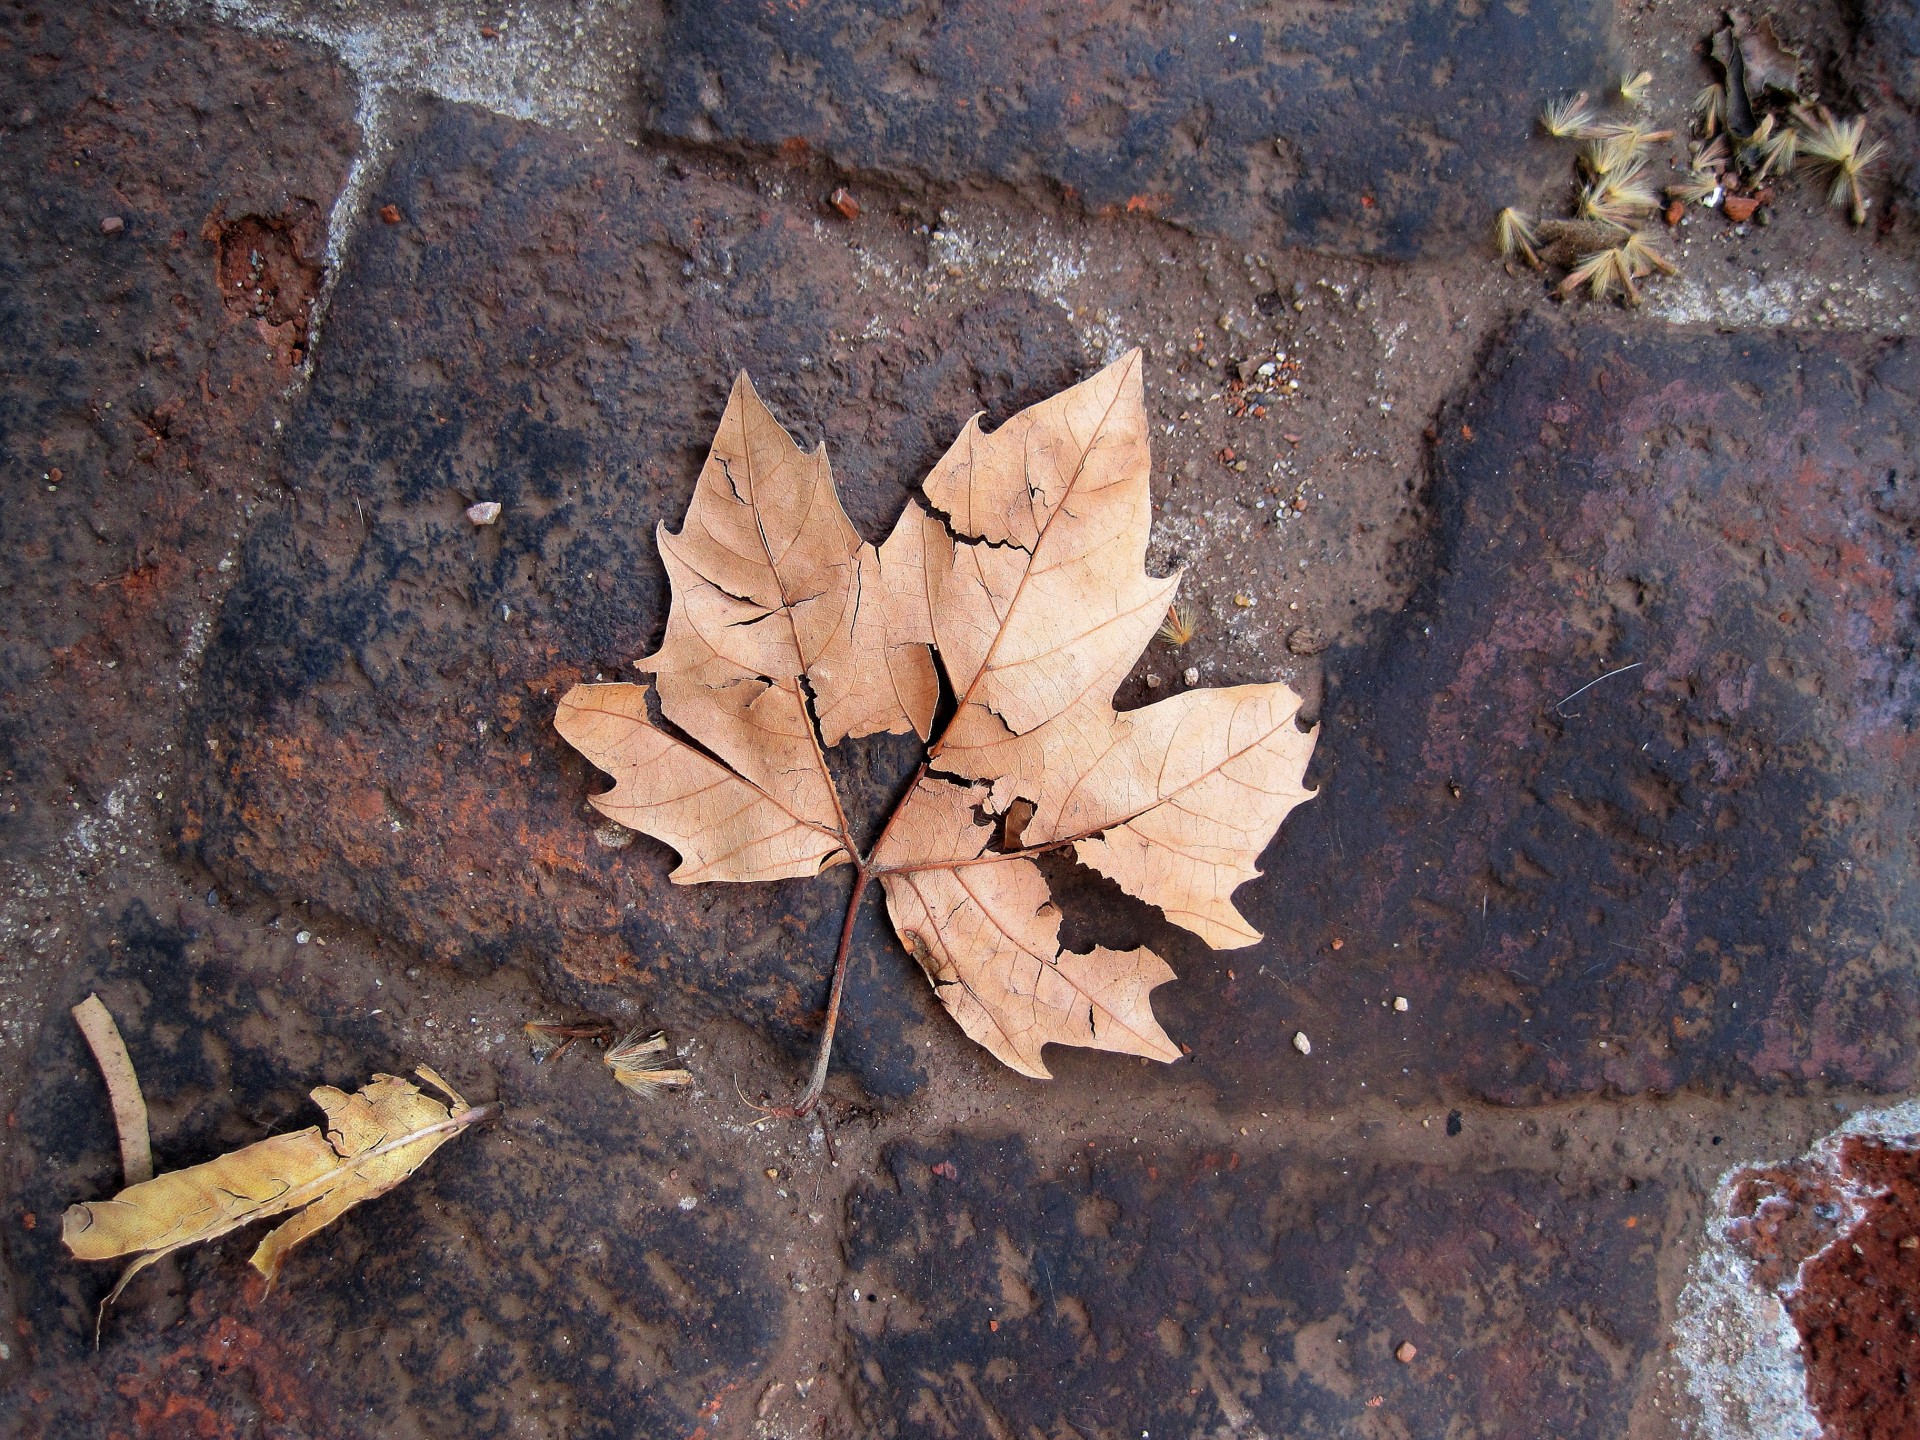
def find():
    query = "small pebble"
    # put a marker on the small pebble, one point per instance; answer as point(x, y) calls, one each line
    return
point(844, 202)
point(1305, 640)
point(390, 214)
point(1153, 682)
point(485, 513)
point(303, 937)
point(112, 225)
point(1400, 1003)
point(1243, 600)
point(1406, 1352)
point(1301, 1043)
point(1191, 675)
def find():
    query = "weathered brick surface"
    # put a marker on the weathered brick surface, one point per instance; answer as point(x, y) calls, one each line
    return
point(1882, 67)
point(585, 1265)
point(137, 392)
point(1832, 1234)
point(1694, 873)
point(1695, 876)
point(1379, 129)
point(376, 735)
point(1128, 1289)
point(1697, 872)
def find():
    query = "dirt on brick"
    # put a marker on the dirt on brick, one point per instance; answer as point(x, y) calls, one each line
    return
point(280, 781)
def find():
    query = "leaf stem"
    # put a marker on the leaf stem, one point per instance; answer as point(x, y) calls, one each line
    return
point(817, 1082)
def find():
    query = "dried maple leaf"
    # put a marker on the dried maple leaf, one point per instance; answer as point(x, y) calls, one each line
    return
point(375, 1138)
point(1025, 571)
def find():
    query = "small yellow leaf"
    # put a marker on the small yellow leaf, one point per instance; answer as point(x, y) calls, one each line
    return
point(375, 1138)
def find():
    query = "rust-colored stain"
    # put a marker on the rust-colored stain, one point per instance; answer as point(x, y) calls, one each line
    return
point(1858, 1305)
point(268, 273)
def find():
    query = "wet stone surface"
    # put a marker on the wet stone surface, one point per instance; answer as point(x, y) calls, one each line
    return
point(1697, 871)
point(1378, 129)
point(1124, 1289)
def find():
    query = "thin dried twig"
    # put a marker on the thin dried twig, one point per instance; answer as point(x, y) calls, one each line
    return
point(1179, 626)
point(1635, 665)
point(1839, 151)
point(1513, 234)
point(1711, 106)
point(564, 1037)
point(1565, 119)
point(123, 1087)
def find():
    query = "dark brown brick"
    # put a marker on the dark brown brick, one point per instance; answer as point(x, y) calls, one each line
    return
point(1129, 1289)
point(1375, 129)
point(1698, 872)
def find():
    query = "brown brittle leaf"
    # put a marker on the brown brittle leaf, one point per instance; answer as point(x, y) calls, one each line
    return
point(724, 826)
point(1026, 572)
point(1046, 601)
point(771, 581)
point(1770, 65)
point(987, 933)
